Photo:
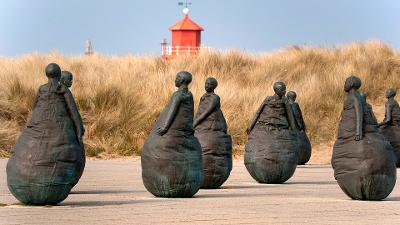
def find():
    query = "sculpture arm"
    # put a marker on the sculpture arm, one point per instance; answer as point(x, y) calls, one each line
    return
point(290, 114)
point(303, 124)
point(359, 117)
point(176, 101)
point(214, 104)
point(299, 117)
point(254, 120)
point(74, 113)
point(388, 114)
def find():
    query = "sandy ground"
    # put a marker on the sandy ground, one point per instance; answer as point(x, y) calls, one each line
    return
point(111, 192)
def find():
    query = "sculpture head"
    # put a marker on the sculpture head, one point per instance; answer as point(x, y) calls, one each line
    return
point(66, 78)
point(183, 78)
point(352, 82)
point(280, 88)
point(53, 71)
point(291, 95)
point(391, 93)
point(211, 84)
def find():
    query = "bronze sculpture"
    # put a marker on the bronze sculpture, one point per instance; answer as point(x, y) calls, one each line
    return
point(211, 131)
point(67, 79)
point(304, 142)
point(47, 158)
point(368, 114)
point(171, 156)
point(390, 126)
point(271, 153)
point(362, 159)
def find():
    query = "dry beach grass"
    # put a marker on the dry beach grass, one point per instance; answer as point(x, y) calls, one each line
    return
point(120, 97)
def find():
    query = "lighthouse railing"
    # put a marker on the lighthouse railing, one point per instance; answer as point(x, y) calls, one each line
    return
point(181, 50)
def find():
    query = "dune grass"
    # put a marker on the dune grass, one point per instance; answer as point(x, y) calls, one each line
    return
point(120, 97)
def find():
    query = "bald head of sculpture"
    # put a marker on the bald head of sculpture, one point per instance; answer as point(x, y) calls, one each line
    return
point(280, 88)
point(291, 95)
point(211, 84)
point(391, 93)
point(66, 78)
point(351, 83)
point(53, 71)
point(183, 78)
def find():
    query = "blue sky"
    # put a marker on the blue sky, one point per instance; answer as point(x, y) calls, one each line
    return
point(121, 27)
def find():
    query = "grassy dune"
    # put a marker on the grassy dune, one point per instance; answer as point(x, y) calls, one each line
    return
point(120, 97)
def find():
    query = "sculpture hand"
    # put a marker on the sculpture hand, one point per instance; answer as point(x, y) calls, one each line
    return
point(161, 131)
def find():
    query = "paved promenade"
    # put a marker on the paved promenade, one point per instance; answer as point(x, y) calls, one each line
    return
point(111, 192)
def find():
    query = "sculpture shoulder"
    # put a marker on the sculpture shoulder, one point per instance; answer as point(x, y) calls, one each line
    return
point(43, 88)
point(392, 102)
point(59, 89)
point(181, 96)
point(176, 95)
point(64, 89)
point(296, 106)
point(268, 99)
point(214, 97)
point(188, 96)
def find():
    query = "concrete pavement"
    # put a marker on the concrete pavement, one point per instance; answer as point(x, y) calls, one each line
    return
point(111, 192)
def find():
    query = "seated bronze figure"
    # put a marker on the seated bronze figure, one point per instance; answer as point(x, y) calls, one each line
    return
point(271, 153)
point(304, 142)
point(171, 156)
point(390, 126)
point(211, 131)
point(48, 157)
point(363, 160)
point(67, 79)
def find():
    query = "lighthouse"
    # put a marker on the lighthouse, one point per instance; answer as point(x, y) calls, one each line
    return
point(186, 38)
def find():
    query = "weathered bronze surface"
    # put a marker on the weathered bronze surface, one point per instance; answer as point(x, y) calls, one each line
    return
point(211, 131)
point(363, 160)
point(171, 156)
point(304, 142)
point(47, 159)
point(390, 126)
point(67, 79)
point(271, 154)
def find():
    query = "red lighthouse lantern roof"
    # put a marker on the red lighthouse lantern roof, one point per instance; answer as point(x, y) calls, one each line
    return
point(186, 24)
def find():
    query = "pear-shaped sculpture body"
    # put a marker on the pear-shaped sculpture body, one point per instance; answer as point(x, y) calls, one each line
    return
point(364, 169)
point(216, 144)
point(171, 163)
point(47, 158)
point(391, 130)
point(271, 153)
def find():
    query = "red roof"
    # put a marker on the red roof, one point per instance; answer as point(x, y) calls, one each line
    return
point(186, 24)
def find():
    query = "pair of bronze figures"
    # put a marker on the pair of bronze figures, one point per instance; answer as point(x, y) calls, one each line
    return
point(49, 157)
point(365, 153)
point(183, 154)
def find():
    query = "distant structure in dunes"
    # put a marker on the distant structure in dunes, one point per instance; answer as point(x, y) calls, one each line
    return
point(88, 47)
point(186, 37)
